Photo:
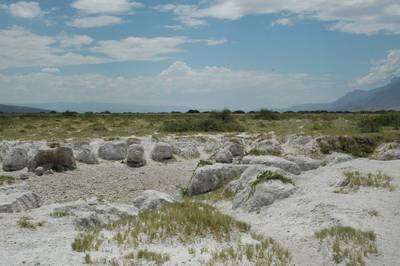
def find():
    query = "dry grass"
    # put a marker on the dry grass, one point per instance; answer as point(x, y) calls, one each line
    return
point(355, 180)
point(26, 222)
point(151, 256)
point(6, 180)
point(268, 176)
point(348, 245)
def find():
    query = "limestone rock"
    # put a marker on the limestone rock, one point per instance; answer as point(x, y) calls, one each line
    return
point(16, 159)
point(57, 159)
point(113, 151)
point(17, 198)
point(388, 151)
point(86, 155)
point(224, 156)
point(275, 161)
point(305, 163)
point(135, 156)
point(162, 151)
point(152, 199)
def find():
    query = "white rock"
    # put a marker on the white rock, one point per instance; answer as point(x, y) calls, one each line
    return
point(252, 198)
point(388, 152)
point(211, 177)
point(86, 155)
point(267, 146)
point(152, 199)
point(17, 198)
point(236, 149)
point(15, 159)
point(274, 161)
point(224, 156)
point(337, 157)
point(113, 151)
point(305, 163)
point(162, 151)
point(135, 156)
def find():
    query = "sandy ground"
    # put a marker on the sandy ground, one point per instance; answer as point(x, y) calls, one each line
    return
point(293, 221)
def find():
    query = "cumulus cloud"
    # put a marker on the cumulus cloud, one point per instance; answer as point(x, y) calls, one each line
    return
point(104, 6)
point(208, 87)
point(75, 41)
point(138, 48)
point(283, 22)
point(383, 70)
point(97, 21)
point(351, 16)
point(24, 9)
point(22, 48)
point(51, 70)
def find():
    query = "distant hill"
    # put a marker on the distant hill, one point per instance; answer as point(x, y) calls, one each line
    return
point(383, 98)
point(20, 109)
point(82, 107)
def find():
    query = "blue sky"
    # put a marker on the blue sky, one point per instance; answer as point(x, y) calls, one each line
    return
point(206, 54)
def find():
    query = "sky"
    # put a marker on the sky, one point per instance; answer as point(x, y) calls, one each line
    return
point(240, 54)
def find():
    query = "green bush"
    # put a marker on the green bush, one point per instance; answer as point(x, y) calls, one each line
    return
point(265, 114)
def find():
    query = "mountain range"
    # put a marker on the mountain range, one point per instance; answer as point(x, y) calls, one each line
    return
point(382, 98)
point(20, 109)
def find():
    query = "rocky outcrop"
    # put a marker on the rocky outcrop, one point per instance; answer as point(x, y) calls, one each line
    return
point(388, 152)
point(152, 199)
point(17, 198)
point(337, 157)
point(305, 163)
point(135, 156)
point(86, 155)
point(57, 159)
point(15, 159)
point(211, 177)
point(162, 151)
point(253, 197)
point(224, 156)
point(267, 146)
point(113, 151)
point(269, 160)
point(235, 148)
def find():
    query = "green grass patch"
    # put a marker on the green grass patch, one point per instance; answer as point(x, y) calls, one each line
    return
point(348, 245)
point(355, 180)
point(59, 213)
point(151, 256)
point(270, 175)
point(26, 222)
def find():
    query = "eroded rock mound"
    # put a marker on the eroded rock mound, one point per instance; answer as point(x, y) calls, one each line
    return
point(135, 156)
point(152, 199)
point(86, 155)
point(113, 151)
point(17, 198)
point(162, 151)
point(305, 163)
point(57, 159)
point(211, 177)
point(336, 157)
point(274, 161)
point(267, 146)
point(15, 159)
point(224, 156)
point(388, 152)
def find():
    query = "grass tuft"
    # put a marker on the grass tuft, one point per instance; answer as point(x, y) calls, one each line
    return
point(6, 180)
point(347, 244)
point(26, 222)
point(155, 257)
point(355, 180)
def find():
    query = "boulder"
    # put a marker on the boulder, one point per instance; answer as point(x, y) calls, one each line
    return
point(130, 141)
point(4, 148)
point(135, 156)
point(161, 152)
point(16, 159)
point(152, 199)
point(86, 155)
point(274, 161)
point(235, 148)
point(305, 163)
point(211, 177)
point(57, 159)
point(387, 152)
point(188, 152)
point(267, 146)
point(336, 157)
point(252, 198)
point(113, 151)
point(223, 156)
point(17, 198)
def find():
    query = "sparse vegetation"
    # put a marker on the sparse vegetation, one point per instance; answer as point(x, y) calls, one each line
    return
point(347, 244)
point(204, 162)
point(219, 194)
point(155, 257)
point(355, 180)
point(357, 146)
point(270, 175)
point(6, 180)
point(59, 213)
point(26, 222)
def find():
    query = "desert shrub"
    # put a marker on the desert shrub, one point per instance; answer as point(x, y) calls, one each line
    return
point(374, 123)
point(369, 124)
point(225, 115)
point(357, 146)
point(265, 114)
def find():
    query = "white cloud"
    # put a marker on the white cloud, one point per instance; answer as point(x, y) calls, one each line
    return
point(51, 70)
point(383, 70)
point(179, 84)
point(352, 16)
point(137, 48)
point(22, 48)
point(283, 22)
point(24, 9)
point(75, 41)
point(97, 21)
point(104, 6)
